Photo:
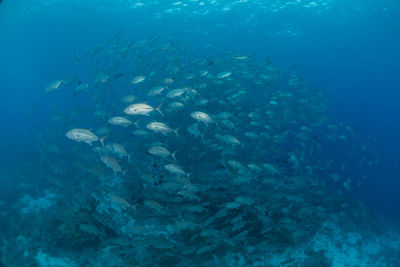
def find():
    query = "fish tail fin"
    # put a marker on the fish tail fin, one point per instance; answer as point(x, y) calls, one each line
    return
point(102, 140)
point(176, 131)
point(136, 123)
point(158, 108)
point(173, 155)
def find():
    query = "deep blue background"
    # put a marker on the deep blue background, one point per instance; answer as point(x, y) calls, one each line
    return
point(351, 54)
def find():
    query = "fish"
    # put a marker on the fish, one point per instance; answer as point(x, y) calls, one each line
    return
point(225, 115)
point(141, 109)
point(240, 57)
point(194, 130)
point(231, 140)
point(168, 81)
point(202, 102)
point(203, 72)
point(228, 124)
point(128, 98)
point(161, 152)
point(84, 135)
point(120, 121)
point(154, 205)
point(120, 201)
point(81, 87)
point(270, 168)
point(138, 79)
point(111, 163)
point(187, 194)
point(156, 90)
point(176, 106)
point(102, 78)
point(224, 74)
point(141, 133)
point(118, 150)
point(254, 171)
point(202, 117)
point(176, 169)
point(175, 93)
point(159, 127)
point(54, 85)
point(183, 180)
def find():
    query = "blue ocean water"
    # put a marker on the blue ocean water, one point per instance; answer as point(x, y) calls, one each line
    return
point(344, 52)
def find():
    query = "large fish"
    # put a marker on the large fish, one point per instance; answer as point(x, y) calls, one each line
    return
point(159, 127)
point(112, 163)
point(141, 109)
point(202, 117)
point(84, 135)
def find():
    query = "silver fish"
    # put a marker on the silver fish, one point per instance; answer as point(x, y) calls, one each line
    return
point(141, 109)
point(175, 93)
point(156, 90)
point(128, 99)
point(160, 127)
point(161, 152)
point(112, 163)
point(202, 117)
point(175, 105)
point(54, 85)
point(120, 121)
point(138, 79)
point(224, 74)
point(176, 169)
point(83, 135)
point(118, 149)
